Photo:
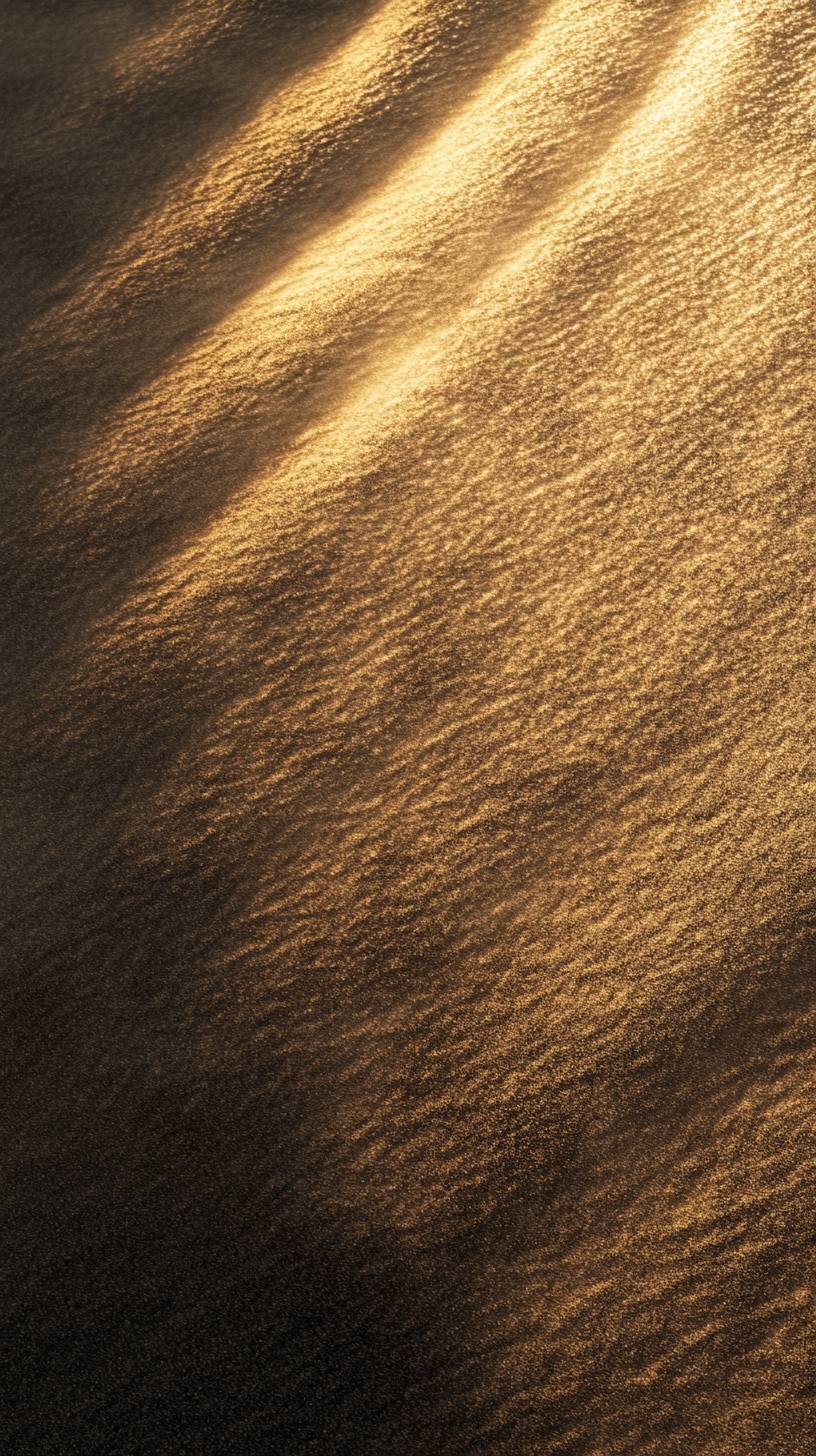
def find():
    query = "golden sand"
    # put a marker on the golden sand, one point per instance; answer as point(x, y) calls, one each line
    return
point(408, 671)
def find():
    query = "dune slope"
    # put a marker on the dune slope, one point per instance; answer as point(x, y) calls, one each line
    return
point(407, 682)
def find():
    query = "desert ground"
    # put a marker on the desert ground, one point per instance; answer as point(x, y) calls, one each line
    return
point(407, 683)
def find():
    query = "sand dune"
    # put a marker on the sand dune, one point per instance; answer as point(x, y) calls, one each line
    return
point(407, 681)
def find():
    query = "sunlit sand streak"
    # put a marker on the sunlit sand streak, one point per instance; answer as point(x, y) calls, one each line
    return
point(542, 86)
point(335, 96)
point(352, 440)
point(628, 1000)
point(242, 359)
point(363, 408)
point(371, 260)
point(387, 405)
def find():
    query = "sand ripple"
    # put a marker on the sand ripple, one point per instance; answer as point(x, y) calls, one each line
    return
point(407, 692)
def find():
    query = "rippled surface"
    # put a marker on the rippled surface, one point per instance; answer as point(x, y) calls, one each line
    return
point(407, 677)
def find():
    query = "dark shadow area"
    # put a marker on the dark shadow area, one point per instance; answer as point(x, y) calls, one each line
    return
point(188, 1312)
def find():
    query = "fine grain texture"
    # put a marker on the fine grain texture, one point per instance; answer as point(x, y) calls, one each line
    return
point(407, 675)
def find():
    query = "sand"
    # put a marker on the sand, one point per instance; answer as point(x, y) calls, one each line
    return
point(408, 668)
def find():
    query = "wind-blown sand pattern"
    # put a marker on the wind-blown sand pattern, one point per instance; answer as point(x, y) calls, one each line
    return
point(408, 679)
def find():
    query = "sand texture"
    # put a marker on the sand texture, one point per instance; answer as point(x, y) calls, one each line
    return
point(407, 692)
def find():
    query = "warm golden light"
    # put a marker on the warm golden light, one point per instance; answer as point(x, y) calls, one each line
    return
point(408, 649)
